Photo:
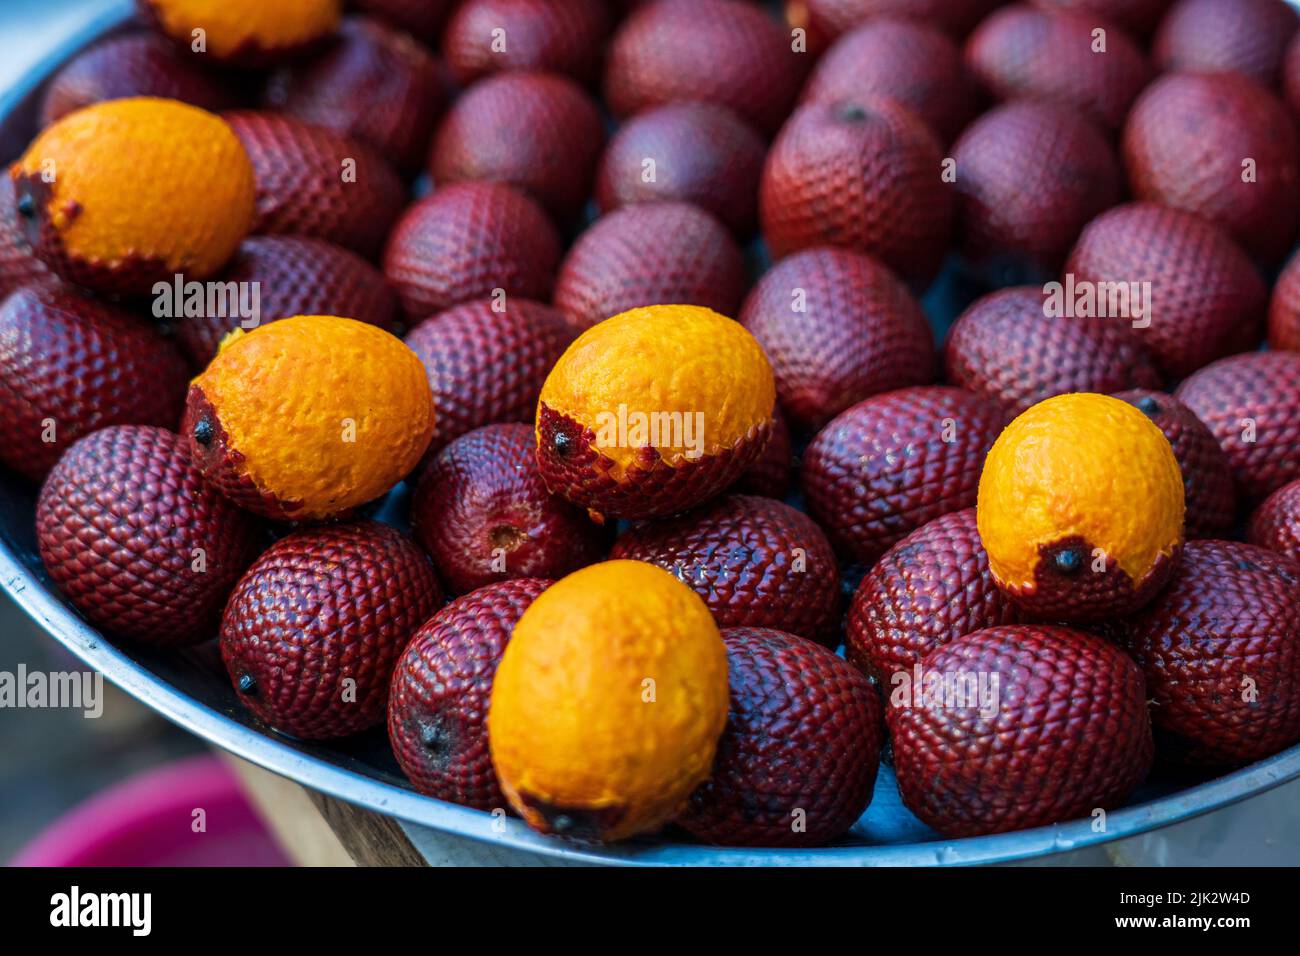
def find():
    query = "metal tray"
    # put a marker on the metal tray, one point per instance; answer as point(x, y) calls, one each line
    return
point(190, 688)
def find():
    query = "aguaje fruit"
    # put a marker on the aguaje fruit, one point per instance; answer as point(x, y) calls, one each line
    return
point(1200, 297)
point(438, 702)
point(1004, 346)
point(1081, 508)
point(483, 513)
point(562, 38)
point(309, 417)
point(770, 475)
point(1276, 523)
point(1139, 17)
point(1207, 478)
point(313, 182)
point(718, 51)
point(130, 532)
point(1222, 146)
point(654, 411)
point(487, 365)
point(245, 32)
point(70, 365)
point(608, 752)
point(650, 254)
point(1030, 176)
point(464, 242)
point(1283, 308)
point(699, 153)
point(757, 562)
point(929, 589)
point(423, 19)
point(830, 18)
point(798, 759)
point(294, 275)
point(838, 327)
point(314, 628)
point(18, 263)
point(121, 194)
point(1246, 36)
point(1063, 732)
point(862, 174)
point(1251, 403)
point(1220, 648)
point(537, 132)
point(891, 463)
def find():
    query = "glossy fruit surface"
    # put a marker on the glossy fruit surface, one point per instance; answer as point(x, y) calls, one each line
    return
point(245, 32)
point(18, 262)
point(612, 751)
point(1284, 309)
point(1138, 17)
point(129, 531)
point(314, 628)
point(770, 476)
point(1247, 36)
point(833, 17)
point(423, 19)
point(1276, 523)
point(565, 38)
point(797, 762)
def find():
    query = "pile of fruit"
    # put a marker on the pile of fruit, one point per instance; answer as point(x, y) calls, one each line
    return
point(585, 277)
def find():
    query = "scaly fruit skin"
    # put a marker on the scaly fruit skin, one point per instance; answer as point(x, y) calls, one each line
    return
point(295, 275)
point(465, 241)
point(129, 531)
point(1284, 309)
point(564, 38)
point(882, 468)
point(1247, 36)
point(1030, 176)
point(300, 186)
point(702, 154)
point(18, 263)
point(1071, 733)
point(1138, 17)
point(650, 254)
point(1022, 52)
point(322, 606)
point(1220, 648)
point(757, 562)
point(245, 33)
point(929, 589)
point(1207, 478)
point(1276, 523)
point(860, 332)
point(1252, 396)
point(1184, 144)
point(1291, 75)
point(830, 18)
point(537, 132)
point(486, 366)
point(423, 19)
point(804, 732)
point(1206, 298)
point(70, 365)
point(913, 63)
point(718, 51)
point(1004, 347)
point(770, 475)
point(859, 175)
point(438, 703)
point(483, 513)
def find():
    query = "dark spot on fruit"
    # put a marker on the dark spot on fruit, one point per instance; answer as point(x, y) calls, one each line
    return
point(576, 823)
point(563, 444)
point(851, 113)
point(27, 205)
point(1148, 406)
point(433, 738)
point(247, 684)
point(1068, 560)
point(506, 536)
point(203, 431)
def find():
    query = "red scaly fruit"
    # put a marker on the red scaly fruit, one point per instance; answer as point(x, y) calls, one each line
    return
point(1231, 615)
point(558, 37)
point(1030, 176)
point(650, 254)
point(863, 175)
point(1208, 491)
point(701, 153)
point(538, 132)
point(323, 606)
point(423, 19)
point(1005, 347)
point(1246, 36)
point(487, 366)
point(895, 461)
point(755, 561)
point(1069, 732)
point(1186, 144)
point(295, 275)
point(912, 63)
point(831, 18)
point(804, 732)
point(18, 263)
point(1284, 309)
point(374, 84)
point(1291, 75)
point(1276, 523)
point(464, 242)
point(483, 512)
point(1048, 55)
point(1206, 298)
point(1138, 17)
point(718, 51)
point(438, 703)
point(70, 365)
point(301, 186)
point(837, 327)
point(770, 476)
point(1251, 402)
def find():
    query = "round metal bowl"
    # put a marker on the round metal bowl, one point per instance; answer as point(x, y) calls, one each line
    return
point(190, 689)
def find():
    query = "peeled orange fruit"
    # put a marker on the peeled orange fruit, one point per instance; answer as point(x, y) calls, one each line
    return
point(245, 32)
